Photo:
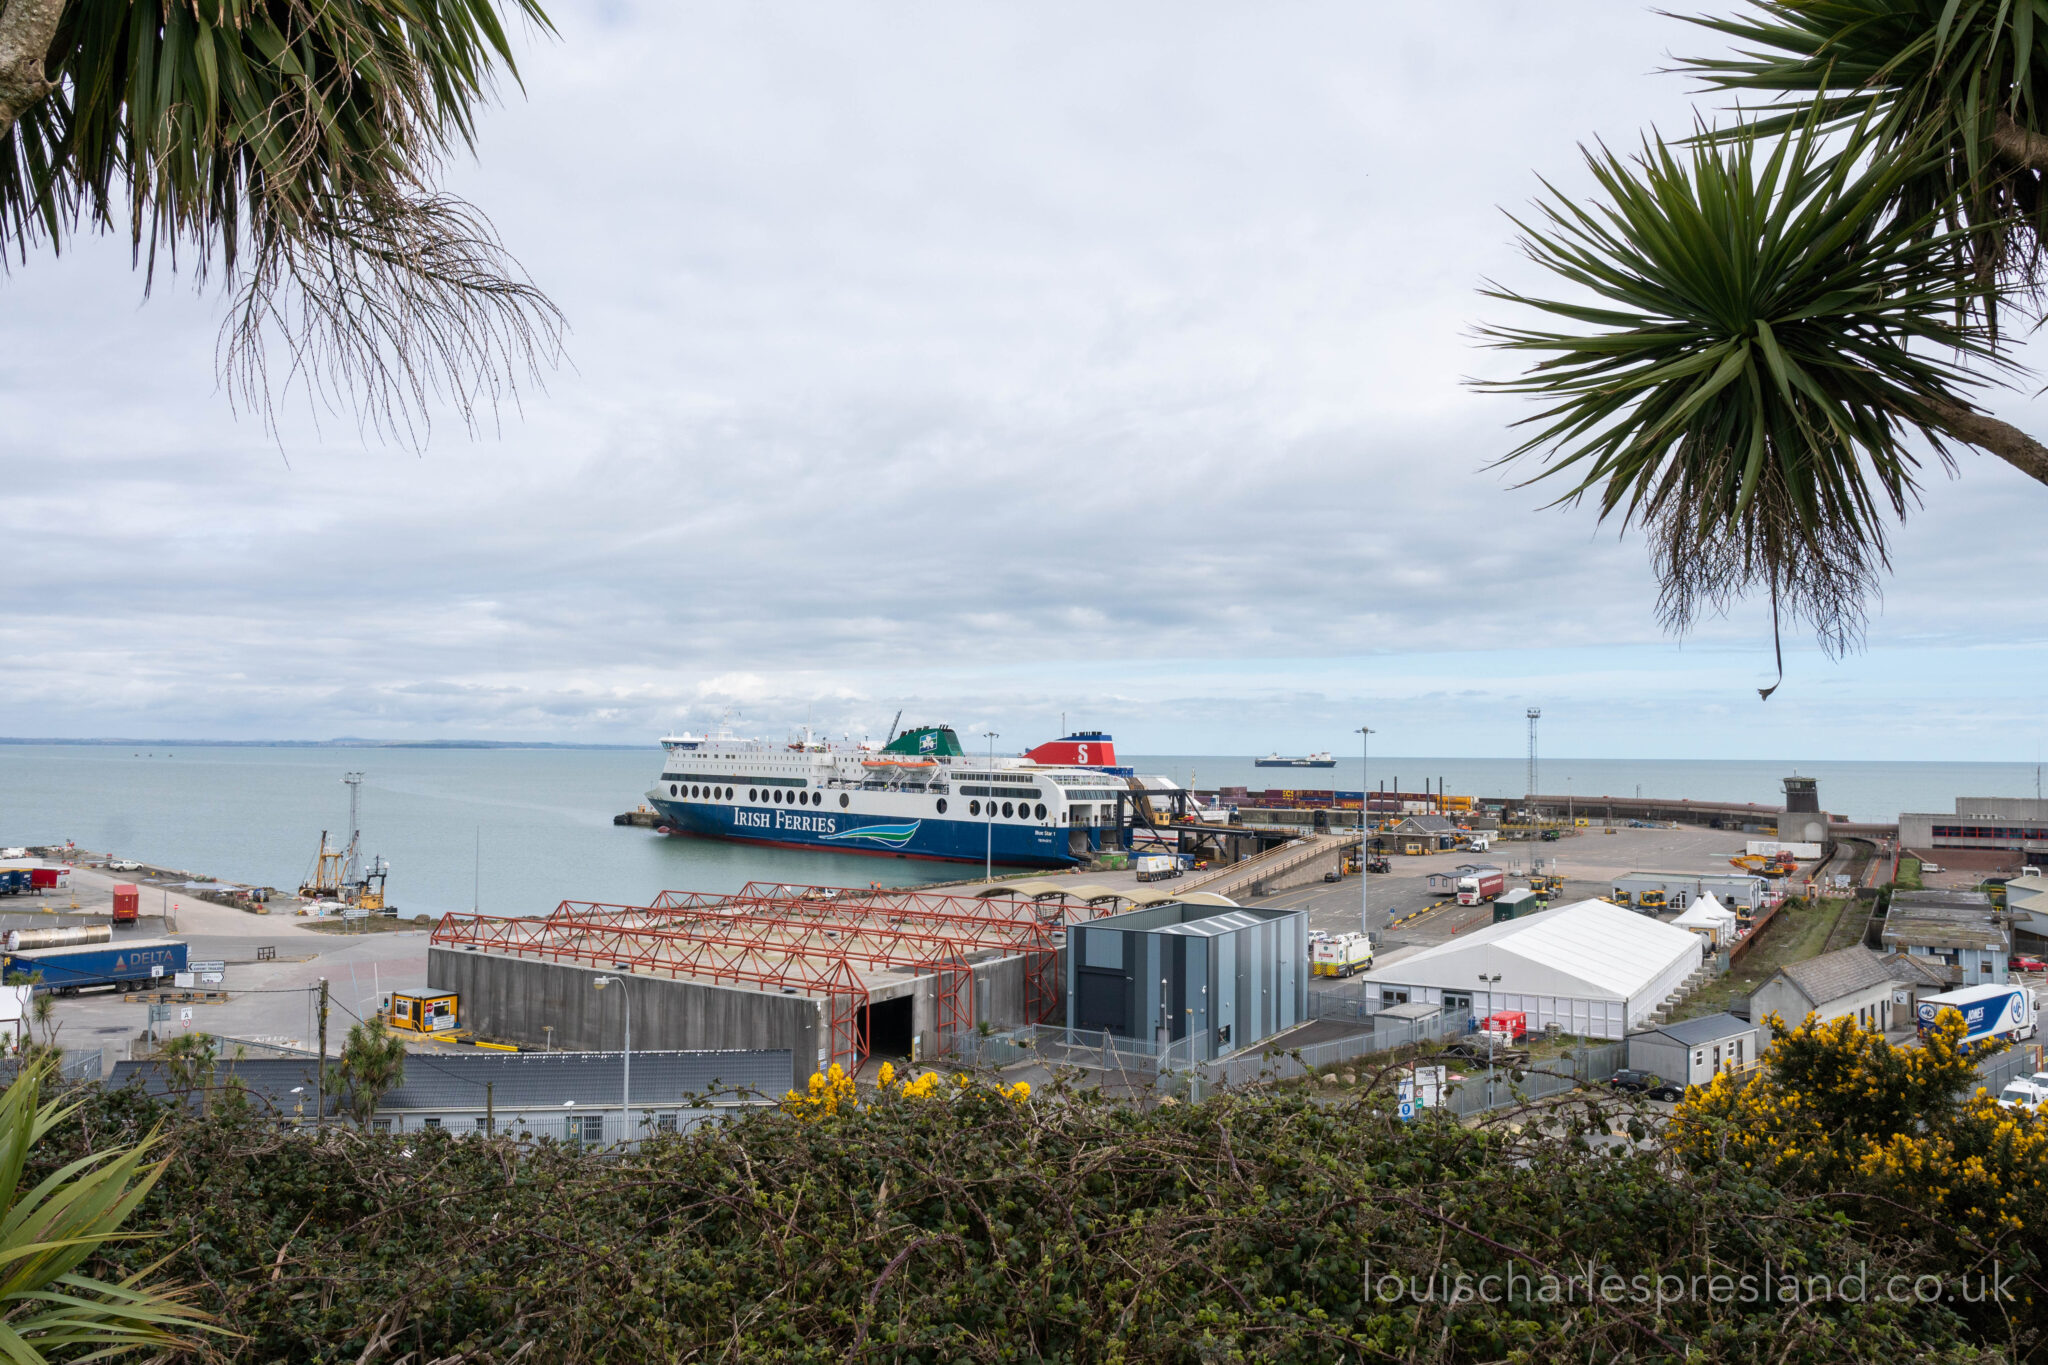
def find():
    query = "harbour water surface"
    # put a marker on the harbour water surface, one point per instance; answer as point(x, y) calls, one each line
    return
point(542, 818)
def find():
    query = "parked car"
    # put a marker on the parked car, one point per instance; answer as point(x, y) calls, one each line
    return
point(1551, 836)
point(2023, 1094)
point(1932, 867)
point(1318, 935)
point(2023, 963)
point(1646, 1083)
point(124, 865)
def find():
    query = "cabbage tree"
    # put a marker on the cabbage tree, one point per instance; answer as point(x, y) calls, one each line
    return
point(1755, 351)
point(289, 151)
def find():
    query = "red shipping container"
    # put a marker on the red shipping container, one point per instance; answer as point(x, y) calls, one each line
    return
point(42, 876)
point(127, 903)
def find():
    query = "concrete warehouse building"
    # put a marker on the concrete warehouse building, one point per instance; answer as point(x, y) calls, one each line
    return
point(1958, 932)
point(1223, 977)
point(828, 974)
point(1590, 968)
point(2009, 824)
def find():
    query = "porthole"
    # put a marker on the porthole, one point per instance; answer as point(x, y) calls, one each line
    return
point(752, 795)
point(776, 796)
point(671, 789)
point(696, 791)
point(1006, 810)
point(974, 807)
point(844, 801)
point(1041, 810)
point(728, 793)
point(807, 798)
point(942, 805)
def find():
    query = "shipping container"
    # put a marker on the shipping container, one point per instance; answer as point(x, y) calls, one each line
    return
point(78, 968)
point(127, 903)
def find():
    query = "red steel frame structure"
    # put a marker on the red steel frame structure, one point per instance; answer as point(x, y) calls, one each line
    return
point(807, 945)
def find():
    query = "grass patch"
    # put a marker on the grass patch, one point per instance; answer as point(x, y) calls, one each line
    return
point(1798, 931)
point(1909, 875)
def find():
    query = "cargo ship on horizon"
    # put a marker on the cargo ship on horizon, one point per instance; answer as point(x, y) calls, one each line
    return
point(921, 795)
point(1322, 760)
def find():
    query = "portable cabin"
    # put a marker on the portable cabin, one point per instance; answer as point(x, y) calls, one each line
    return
point(425, 1012)
point(1521, 901)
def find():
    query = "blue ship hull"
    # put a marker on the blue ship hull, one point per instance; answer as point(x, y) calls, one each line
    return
point(959, 841)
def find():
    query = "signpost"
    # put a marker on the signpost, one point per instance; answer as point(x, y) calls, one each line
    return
point(209, 973)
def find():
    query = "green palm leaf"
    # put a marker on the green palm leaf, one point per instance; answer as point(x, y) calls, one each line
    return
point(1757, 344)
point(1946, 77)
point(47, 1308)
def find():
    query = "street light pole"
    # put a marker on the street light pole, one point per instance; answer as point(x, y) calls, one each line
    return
point(1491, 981)
point(626, 1078)
point(988, 867)
point(1364, 828)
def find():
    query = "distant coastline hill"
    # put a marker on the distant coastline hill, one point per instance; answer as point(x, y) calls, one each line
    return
point(343, 743)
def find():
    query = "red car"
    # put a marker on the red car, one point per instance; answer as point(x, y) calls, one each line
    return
point(2029, 964)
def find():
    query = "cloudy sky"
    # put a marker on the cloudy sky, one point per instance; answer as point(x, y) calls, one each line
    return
point(992, 362)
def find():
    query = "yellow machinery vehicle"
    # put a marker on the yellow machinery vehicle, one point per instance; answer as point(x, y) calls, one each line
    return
point(427, 1012)
point(1621, 898)
point(1651, 900)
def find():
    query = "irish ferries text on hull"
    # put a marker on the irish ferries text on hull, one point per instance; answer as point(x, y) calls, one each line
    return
point(920, 796)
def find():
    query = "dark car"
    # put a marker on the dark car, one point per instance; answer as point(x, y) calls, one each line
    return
point(1646, 1083)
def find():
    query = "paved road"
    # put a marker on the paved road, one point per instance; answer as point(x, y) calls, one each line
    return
point(269, 1001)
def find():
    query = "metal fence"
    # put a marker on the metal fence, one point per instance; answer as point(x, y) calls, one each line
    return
point(1995, 1071)
point(1090, 1049)
point(82, 1066)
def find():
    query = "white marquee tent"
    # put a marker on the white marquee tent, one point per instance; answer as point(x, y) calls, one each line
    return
point(1709, 917)
point(1592, 968)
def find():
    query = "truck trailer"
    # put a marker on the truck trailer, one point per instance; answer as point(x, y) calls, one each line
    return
point(1990, 1013)
point(1481, 884)
point(83, 966)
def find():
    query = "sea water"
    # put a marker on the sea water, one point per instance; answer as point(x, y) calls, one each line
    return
point(517, 831)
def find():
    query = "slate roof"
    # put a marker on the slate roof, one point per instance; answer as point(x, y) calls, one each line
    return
point(1842, 972)
point(1708, 1028)
point(519, 1080)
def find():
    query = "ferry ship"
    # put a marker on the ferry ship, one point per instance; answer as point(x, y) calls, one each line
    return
point(918, 796)
point(1311, 761)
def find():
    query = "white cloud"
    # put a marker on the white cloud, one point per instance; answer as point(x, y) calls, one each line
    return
point(990, 361)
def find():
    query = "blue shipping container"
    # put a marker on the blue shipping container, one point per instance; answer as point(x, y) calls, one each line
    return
point(100, 964)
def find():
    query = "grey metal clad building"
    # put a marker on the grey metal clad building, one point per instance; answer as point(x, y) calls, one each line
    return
point(1690, 1051)
point(2004, 823)
point(574, 1096)
point(1959, 930)
point(1223, 977)
point(1730, 887)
